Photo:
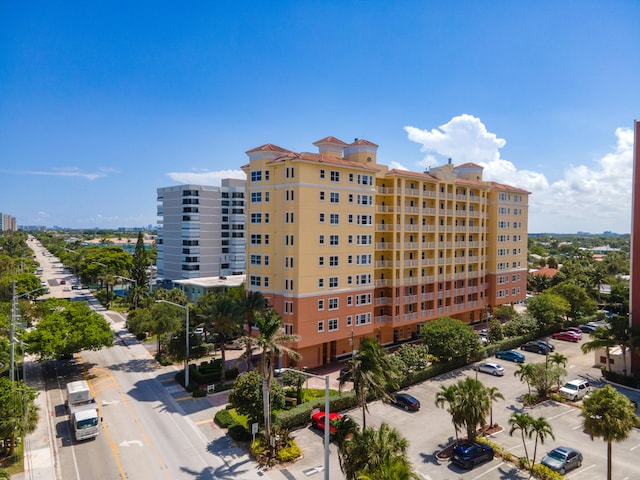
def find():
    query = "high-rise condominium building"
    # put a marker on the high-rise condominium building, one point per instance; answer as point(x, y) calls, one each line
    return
point(7, 222)
point(634, 290)
point(201, 230)
point(346, 248)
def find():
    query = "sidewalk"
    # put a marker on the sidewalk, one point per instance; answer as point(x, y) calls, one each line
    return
point(39, 456)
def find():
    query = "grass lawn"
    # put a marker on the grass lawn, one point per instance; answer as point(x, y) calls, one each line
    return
point(13, 464)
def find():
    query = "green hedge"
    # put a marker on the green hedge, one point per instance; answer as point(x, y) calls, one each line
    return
point(224, 418)
point(301, 414)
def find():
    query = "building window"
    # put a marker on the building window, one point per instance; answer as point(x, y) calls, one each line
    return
point(256, 239)
point(321, 304)
point(256, 260)
point(321, 326)
point(363, 319)
point(256, 176)
point(321, 283)
point(256, 218)
point(321, 261)
point(334, 218)
point(322, 217)
point(321, 239)
point(335, 197)
point(349, 321)
point(256, 197)
point(288, 328)
point(333, 261)
point(333, 303)
point(335, 176)
point(333, 282)
point(255, 281)
point(349, 301)
point(322, 196)
point(334, 240)
point(266, 281)
point(333, 324)
point(322, 174)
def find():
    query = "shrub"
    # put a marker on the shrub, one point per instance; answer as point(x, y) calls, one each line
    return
point(141, 336)
point(198, 392)
point(543, 472)
point(289, 452)
point(258, 447)
point(523, 463)
point(165, 362)
point(224, 418)
point(300, 415)
point(239, 433)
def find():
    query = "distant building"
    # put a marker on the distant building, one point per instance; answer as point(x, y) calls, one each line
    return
point(201, 230)
point(8, 222)
point(197, 287)
point(346, 248)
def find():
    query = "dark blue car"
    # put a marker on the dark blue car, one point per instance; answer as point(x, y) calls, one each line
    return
point(468, 454)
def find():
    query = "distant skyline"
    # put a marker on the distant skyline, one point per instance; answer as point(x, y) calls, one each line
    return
point(101, 104)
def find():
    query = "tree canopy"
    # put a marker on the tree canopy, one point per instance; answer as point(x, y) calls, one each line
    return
point(448, 338)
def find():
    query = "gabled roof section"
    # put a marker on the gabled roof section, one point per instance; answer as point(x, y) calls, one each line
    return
point(468, 165)
point(319, 158)
point(330, 140)
point(362, 141)
point(502, 186)
point(269, 147)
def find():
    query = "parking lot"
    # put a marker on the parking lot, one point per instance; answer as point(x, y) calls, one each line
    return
point(430, 429)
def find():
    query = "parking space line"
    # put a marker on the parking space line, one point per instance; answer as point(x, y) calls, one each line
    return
point(634, 447)
point(569, 410)
point(579, 472)
point(489, 471)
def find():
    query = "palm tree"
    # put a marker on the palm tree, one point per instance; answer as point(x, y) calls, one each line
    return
point(474, 404)
point(494, 394)
point(221, 316)
point(372, 373)
point(524, 372)
point(600, 338)
point(521, 422)
point(376, 454)
point(559, 360)
point(448, 396)
point(609, 415)
point(273, 343)
point(251, 303)
point(542, 429)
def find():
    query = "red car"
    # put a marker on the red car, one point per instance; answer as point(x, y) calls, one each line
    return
point(317, 421)
point(566, 336)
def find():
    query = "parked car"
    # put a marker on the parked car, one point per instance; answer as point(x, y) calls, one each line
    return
point(566, 336)
point(562, 459)
point(535, 347)
point(63, 282)
point(406, 401)
point(588, 328)
point(198, 330)
point(511, 355)
point(317, 420)
point(575, 389)
point(469, 454)
point(548, 344)
point(491, 368)
point(575, 330)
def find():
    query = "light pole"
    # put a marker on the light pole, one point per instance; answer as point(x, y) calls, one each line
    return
point(186, 355)
point(12, 327)
point(326, 415)
point(135, 295)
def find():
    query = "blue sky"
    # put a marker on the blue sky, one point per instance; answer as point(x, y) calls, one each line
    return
point(103, 102)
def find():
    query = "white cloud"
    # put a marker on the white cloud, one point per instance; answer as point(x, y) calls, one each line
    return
point(205, 178)
point(590, 197)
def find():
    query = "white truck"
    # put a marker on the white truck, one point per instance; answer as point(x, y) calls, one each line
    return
point(83, 412)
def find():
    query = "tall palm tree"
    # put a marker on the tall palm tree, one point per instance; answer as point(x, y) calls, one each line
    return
point(251, 303)
point(559, 360)
point(524, 372)
point(541, 428)
point(222, 317)
point(372, 373)
point(609, 415)
point(521, 422)
point(474, 404)
point(448, 396)
point(273, 343)
point(600, 338)
point(376, 454)
point(494, 394)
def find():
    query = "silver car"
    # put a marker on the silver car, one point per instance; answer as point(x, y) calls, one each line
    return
point(491, 368)
point(562, 459)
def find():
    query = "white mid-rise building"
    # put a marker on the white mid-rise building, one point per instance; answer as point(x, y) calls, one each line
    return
point(201, 230)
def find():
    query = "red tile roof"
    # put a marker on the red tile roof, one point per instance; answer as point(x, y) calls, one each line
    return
point(545, 271)
point(269, 147)
point(330, 139)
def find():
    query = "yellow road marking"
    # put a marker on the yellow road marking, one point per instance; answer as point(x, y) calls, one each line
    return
point(184, 398)
point(202, 422)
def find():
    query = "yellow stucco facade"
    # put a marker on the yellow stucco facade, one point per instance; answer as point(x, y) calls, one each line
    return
point(345, 248)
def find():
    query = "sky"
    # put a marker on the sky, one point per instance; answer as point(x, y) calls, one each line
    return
point(103, 102)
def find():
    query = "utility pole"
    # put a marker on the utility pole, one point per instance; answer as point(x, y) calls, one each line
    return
point(12, 331)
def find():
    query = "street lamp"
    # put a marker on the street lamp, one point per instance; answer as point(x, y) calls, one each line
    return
point(135, 296)
point(14, 317)
point(326, 414)
point(186, 355)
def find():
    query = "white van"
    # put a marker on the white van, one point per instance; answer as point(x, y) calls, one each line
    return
point(575, 389)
